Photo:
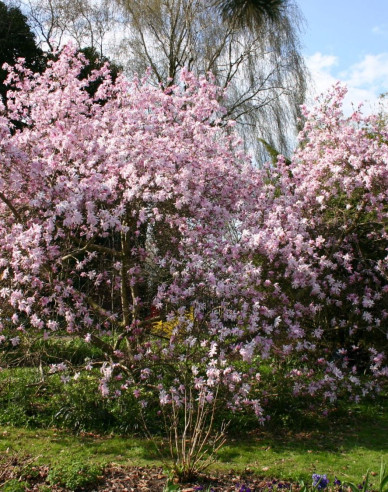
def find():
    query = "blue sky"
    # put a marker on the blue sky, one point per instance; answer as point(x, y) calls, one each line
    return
point(347, 40)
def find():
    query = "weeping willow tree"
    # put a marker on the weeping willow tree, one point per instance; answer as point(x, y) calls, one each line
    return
point(251, 47)
point(251, 13)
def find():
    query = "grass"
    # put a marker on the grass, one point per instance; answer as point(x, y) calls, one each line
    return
point(295, 445)
point(53, 445)
point(346, 448)
point(347, 455)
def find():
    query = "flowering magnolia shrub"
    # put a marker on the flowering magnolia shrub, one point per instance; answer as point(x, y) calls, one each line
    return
point(134, 209)
point(339, 179)
point(120, 210)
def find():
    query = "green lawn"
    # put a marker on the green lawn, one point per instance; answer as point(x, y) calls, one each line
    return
point(345, 449)
point(351, 440)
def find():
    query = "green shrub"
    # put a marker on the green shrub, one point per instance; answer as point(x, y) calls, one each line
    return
point(21, 398)
point(75, 475)
point(61, 348)
point(14, 486)
point(27, 401)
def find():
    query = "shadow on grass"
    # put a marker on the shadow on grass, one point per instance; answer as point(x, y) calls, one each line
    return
point(363, 427)
point(122, 448)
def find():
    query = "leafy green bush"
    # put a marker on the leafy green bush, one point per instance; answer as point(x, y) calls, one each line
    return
point(74, 475)
point(14, 486)
point(23, 397)
point(28, 401)
point(79, 406)
point(38, 351)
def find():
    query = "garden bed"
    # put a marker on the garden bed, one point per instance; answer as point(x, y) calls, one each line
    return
point(21, 474)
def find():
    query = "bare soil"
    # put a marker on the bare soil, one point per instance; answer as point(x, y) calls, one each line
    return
point(134, 478)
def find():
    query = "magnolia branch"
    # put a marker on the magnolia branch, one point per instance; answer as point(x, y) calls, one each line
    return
point(93, 247)
point(140, 324)
point(11, 207)
point(98, 308)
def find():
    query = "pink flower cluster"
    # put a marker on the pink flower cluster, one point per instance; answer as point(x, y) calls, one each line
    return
point(136, 205)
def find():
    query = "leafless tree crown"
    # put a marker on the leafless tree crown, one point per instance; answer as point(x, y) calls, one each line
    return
point(260, 64)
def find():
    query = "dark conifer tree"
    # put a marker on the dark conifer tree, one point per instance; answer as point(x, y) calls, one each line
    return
point(16, 41)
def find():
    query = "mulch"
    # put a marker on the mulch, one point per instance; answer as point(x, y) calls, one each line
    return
point(136, 478)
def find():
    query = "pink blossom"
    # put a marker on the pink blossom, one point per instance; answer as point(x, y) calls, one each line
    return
point(137, 198)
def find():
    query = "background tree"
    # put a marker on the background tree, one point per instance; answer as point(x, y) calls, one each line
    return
point(95, 62)
point(251, 13)
point(261, 68)
point(17, 40)
point(254, 53)
point(88, 23)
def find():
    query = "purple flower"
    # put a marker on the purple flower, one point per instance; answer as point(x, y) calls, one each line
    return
point(320, 481)
point(244, 488)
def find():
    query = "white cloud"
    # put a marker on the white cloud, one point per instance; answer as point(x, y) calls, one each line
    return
point(365, 80)
point(381, 30)
point(318, 61)
point(320, 67)
point(371, 71)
